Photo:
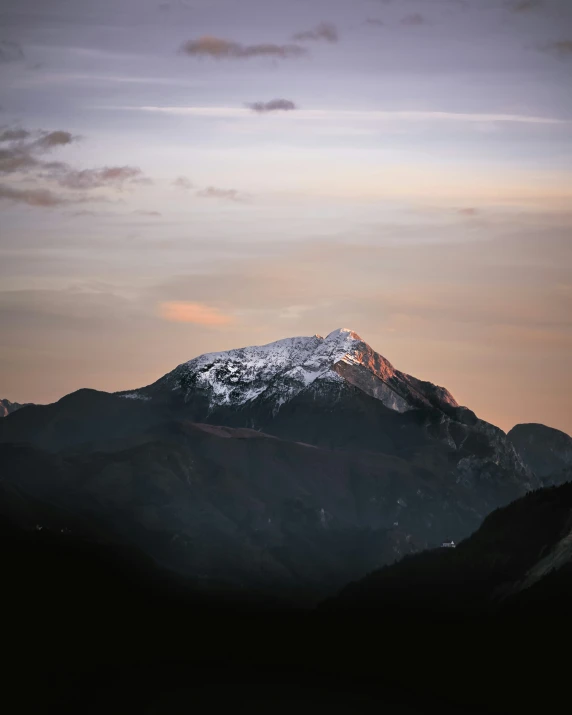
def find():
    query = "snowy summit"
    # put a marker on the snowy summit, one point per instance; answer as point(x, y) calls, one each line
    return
point(279, 371)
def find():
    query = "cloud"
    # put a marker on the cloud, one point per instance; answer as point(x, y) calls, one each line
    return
point(181, 182)
point(218, 48)
point(413, 20)
point(197, 313)
point(86, 179)
point(16, 159)
point(10, 135)
point(525, 5)
point(148, 213)
point(83, 212)
point(22, 155)
point(23, 151)
point(469, 211)
point(375, 21)
point(561, 48)
point(212, 192)
point(324, 31)
point(274, 105)
point(31, 197)
point(49, 140)
point(11, 51)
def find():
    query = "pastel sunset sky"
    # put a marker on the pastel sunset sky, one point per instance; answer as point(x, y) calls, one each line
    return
point(196, 175)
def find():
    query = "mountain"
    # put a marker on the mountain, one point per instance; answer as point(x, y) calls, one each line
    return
point(279, 371)
point(294, 466)
point(518, 561)
point(334, 392)
point(544, 450)
point(7, 407)
point(238, 506)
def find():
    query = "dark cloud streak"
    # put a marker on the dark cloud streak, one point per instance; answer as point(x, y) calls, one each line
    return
point(526, 5)
point(324, 31)
point(219, 49)
point(274, 105)
point(87, 179)
point(10, 135)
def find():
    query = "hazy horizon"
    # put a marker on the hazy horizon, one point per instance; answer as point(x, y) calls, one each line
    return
point(193, 176)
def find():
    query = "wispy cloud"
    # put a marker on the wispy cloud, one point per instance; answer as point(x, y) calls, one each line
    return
point(86, 179)
point(49, 140)
point(358, 115)
point(181, 182)
point(219, 48)
point(43, 198)
point(413, 20)
point(525, 5)
point(10, 135)
point(326, 31)
point(23, 150)
point(155, 214)
point(212, 192)
point(11, 51)
point(197, 313)
point(469, 211)
point(375, 21)
point(274, 105)
point(561, 48)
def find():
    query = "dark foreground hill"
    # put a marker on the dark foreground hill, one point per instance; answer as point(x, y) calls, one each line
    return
point(258, 512)
point(520, 558)
point(95, 630)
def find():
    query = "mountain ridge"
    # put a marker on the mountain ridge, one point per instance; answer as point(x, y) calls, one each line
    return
point(282, 369)
point(238, 455)
point(7, 407)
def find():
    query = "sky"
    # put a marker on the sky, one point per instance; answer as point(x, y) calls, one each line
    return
point(196, 175)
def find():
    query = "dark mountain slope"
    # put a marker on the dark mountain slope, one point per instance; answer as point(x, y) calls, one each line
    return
point(83, 418)
point(546, 451)
point(244, 507)
point(95, 629)
point(506, 561)
point(7, 407)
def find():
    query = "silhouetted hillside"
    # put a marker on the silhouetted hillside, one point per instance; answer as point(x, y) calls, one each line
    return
point(515, 549)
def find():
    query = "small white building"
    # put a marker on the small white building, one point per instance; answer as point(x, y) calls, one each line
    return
point(448, 545)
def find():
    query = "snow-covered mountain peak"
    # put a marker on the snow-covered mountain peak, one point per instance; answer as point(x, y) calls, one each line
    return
point(343, 334)
point(277, 372)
